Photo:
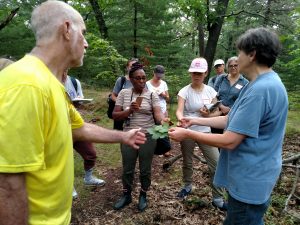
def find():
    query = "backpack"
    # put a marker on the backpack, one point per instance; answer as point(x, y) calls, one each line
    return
point(110, 102)
point(74, 82)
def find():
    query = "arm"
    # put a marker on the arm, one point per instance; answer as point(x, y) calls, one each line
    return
point(180, 107)
point(93, 133)
point(114, 96)
point(215, 122)
point(229, 140)
point(165, 95)
point(13, 199)
point(158, 115)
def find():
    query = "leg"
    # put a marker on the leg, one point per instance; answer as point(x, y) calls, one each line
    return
point(129, 157)
point(240, 213)
point(187, 149)
point(146, 152)
point(87, 152)
point(211, 155)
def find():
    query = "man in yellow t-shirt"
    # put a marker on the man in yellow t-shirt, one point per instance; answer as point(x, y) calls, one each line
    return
point(37, 122)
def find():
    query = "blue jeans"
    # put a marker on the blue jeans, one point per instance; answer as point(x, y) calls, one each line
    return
point(240, 213)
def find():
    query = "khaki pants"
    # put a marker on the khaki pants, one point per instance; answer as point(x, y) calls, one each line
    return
point(211, 155)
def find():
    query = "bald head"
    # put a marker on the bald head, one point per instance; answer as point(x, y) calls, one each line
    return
point(49, 16)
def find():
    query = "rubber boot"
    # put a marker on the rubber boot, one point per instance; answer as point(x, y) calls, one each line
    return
point(142, 201)
point(123, 201)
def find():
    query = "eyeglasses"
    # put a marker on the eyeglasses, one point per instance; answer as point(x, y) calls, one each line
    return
point(139, 78)
point(233, 66)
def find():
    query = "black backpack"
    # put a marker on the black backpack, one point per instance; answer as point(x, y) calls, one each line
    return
point(110, 102)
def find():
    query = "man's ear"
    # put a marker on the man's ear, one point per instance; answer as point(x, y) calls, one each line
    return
point(67, 30)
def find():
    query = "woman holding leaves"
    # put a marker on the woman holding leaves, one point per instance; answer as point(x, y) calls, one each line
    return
point(140, 109)
point(191, 101)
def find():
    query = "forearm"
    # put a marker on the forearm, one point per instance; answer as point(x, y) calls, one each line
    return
point(13, 199)
point(217, 140)
point(113, 96)
point(121, 115)
point(93, 133)
point(215, 122)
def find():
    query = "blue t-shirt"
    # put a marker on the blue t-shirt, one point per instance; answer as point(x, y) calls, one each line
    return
point(250, 171)
point(227, 93)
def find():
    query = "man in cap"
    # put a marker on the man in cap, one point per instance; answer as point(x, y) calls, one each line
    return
point(38, 122)
point(219, 66)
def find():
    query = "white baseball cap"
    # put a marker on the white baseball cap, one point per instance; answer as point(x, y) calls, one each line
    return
point(219, 62)
point(198, 65)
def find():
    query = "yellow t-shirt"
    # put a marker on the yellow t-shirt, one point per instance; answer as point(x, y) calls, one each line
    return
point(36, 118)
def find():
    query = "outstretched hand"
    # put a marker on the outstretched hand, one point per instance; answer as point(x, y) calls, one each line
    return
point(185, 122)
point(134, 138)
point(177, 133)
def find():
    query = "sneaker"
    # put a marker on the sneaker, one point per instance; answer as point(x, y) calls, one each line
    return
point(183, 193)
point(220, 204)
point(74, 194)
point(93, 181)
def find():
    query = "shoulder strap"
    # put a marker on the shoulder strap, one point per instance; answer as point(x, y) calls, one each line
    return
point(74, 82)
point(123, 80)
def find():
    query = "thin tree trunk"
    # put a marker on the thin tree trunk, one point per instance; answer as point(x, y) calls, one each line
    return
point(214, 30)
point(99, 18)
point(135, 31)
point(7, 20)
point(268, 13)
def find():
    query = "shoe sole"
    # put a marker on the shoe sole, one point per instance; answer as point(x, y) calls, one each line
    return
point(98, 185)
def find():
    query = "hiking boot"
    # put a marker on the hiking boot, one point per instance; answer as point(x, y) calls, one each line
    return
point(220, 204)
point(142, 201)
point(183, 193)
point(123, 201)
point(93, 181)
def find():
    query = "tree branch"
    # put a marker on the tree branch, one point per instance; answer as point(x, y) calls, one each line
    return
point(9, 18)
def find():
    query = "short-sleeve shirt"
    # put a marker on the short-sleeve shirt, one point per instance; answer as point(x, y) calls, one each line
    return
point(73, 93)
point(144, 117)
point(227, 93)
point(118, 85)
point(36, 138)
point(161, 88)
point(249, 172)
point(194, 101)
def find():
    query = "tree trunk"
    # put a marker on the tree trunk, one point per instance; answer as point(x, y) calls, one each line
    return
point(267, 13)
point(214, 30)
point(99, 18)
point(201, 39)
point(5, 22)
point(135, 31)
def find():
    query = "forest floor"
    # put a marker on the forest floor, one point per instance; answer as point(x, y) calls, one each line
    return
point(95, 206)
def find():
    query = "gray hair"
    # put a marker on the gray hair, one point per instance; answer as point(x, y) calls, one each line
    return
point(48, 16)
point(233, 58)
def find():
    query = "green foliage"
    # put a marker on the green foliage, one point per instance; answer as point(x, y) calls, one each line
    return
point(103, 63)
point(159, 131)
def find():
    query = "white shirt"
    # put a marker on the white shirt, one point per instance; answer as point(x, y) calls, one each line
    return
point(161, 88)
point(71, 89)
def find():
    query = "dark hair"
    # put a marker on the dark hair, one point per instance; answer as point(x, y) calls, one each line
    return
point(135, 66)
point(263, 41)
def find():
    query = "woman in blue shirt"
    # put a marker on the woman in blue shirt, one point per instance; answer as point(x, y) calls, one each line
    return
point(229, 85)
